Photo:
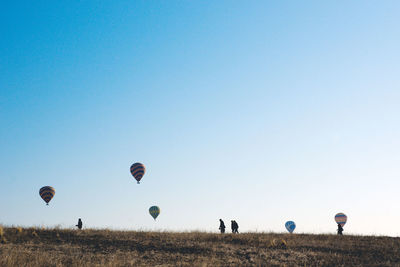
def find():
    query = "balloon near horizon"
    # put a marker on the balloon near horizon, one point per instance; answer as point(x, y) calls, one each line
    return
point(154, 211)
point(137, 171)
point(47, 193)
point(290, 226)
point(341, 219)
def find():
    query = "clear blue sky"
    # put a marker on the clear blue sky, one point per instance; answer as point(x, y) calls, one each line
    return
point(259, 111)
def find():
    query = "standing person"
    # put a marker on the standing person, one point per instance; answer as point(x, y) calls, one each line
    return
point(339, 229)
point(221, 226)
point(79, 225)
point(234, 227)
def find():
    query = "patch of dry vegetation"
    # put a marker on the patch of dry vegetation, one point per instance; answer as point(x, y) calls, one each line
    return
point(58, 247)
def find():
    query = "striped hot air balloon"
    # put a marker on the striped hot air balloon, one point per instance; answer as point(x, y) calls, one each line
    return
point(290, 226)
point(47, 193)
point(154, 211)
point(137, 171)
point(341, 219)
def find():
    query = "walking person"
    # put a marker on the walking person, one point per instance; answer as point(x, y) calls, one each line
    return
point(221, 226)
point(234, 227)
point(339, 229)
point(80, 224)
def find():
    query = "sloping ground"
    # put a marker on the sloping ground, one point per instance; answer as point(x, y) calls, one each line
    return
point(55, 247)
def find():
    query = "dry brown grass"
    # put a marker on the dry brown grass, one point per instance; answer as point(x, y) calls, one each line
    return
point(58, 247)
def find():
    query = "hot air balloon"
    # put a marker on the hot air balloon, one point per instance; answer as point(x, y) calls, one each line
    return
point(154, 211)
point(290, 226)
point(341, 219)
point(47, 193)
point(137, 171)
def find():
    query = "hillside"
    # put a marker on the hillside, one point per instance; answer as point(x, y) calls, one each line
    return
point(60, 247)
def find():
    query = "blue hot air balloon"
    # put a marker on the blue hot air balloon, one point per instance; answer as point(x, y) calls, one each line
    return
point(290, 226)
point(154, 211)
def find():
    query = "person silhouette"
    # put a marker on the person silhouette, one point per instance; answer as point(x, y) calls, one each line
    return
point(79, 225)
point(221, 226)
point(339, 229)
point(234, 227)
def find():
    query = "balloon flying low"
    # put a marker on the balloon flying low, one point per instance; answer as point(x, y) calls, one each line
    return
point(137, 171)
point(341, 219)
point(290, 226)
point(154, 211)
point(47, 193)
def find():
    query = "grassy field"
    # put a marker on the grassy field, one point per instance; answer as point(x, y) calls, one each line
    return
point(61, 247)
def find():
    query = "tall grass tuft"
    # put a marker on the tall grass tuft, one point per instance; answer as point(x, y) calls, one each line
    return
point(3, 239)
point(34, 234)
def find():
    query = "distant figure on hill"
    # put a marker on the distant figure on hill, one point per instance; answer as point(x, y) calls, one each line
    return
point(234, 227)
point(339, 229)
point(221, 226)
point(79, 225)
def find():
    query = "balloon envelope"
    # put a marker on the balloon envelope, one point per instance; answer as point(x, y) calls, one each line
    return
point(154, 211)
point(341, 219)
point(137, 171)
point(290, 226)
point(47, 193)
